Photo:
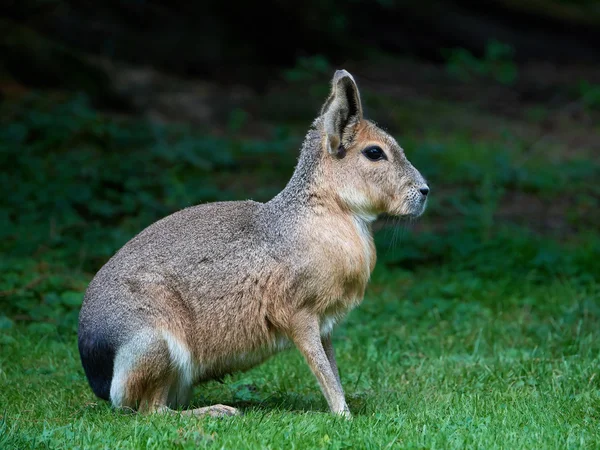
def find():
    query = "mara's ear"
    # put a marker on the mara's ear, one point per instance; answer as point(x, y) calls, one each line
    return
point(341, 108)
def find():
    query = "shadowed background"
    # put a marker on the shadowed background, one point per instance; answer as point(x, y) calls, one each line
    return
point(114, 114)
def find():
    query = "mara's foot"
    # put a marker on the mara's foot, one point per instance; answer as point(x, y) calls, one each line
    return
point(345, 413)
point(213, 411)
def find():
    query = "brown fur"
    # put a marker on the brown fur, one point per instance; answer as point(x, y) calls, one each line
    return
point(220, 287)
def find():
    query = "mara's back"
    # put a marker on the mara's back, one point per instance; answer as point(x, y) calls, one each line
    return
point(189, 251)
point(194, 274)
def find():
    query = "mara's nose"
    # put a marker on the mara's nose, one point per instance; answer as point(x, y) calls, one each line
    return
point(424, 191)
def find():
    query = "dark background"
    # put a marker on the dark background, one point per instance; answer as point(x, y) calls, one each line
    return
point(246, 41)
point(117, 113)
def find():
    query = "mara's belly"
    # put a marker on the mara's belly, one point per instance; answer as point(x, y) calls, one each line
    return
point(195, 367)
point(243, 361)
point(239, 362)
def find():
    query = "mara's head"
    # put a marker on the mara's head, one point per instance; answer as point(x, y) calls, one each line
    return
point(368, 170)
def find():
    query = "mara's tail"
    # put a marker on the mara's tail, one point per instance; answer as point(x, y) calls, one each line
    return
point(98, 359)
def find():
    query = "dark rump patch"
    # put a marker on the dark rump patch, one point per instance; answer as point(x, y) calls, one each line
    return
point(98, 359)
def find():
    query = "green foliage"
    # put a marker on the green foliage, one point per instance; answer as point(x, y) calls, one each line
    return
point(590, 95)
point(497, 63)
point(476, 331)
point(309, 68)
point(237, 119)
point(310, 71)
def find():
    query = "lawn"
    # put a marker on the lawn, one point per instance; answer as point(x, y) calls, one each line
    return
point(480, 328)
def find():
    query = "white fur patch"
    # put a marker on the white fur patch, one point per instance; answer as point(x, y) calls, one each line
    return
point(188, 371)
point(280, 343)
point(117, 386)
point(181, 359)
point(362, 225)
point(358, 203)
point(327, 324)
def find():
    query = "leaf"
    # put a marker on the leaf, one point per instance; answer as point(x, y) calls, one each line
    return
point(42, 328)
point(72, 298)
point(6, 339)
point(6, 323)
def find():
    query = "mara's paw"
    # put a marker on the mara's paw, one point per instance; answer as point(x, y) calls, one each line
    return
point(345, 413)
point(214, 411)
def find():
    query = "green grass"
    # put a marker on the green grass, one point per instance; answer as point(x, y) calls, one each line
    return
point(435, 358)
point(476, 332)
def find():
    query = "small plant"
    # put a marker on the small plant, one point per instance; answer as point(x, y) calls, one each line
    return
point(497, 63)
point(308, 68)
point(309, 72)
point(590, 95)
point(237, 119)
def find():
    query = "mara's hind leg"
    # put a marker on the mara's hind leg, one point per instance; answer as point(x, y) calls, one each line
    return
point(143, 374)
point(153, 373)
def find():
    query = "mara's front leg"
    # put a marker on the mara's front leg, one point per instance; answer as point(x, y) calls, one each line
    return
point(328, 347)
point(306, 335)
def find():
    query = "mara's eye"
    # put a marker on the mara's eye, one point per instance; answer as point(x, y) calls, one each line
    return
point(374, 153)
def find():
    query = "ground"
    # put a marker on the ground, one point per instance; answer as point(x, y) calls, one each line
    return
point(480, 328)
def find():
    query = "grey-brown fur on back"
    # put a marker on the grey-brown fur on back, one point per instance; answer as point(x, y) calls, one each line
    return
point(193, 258)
